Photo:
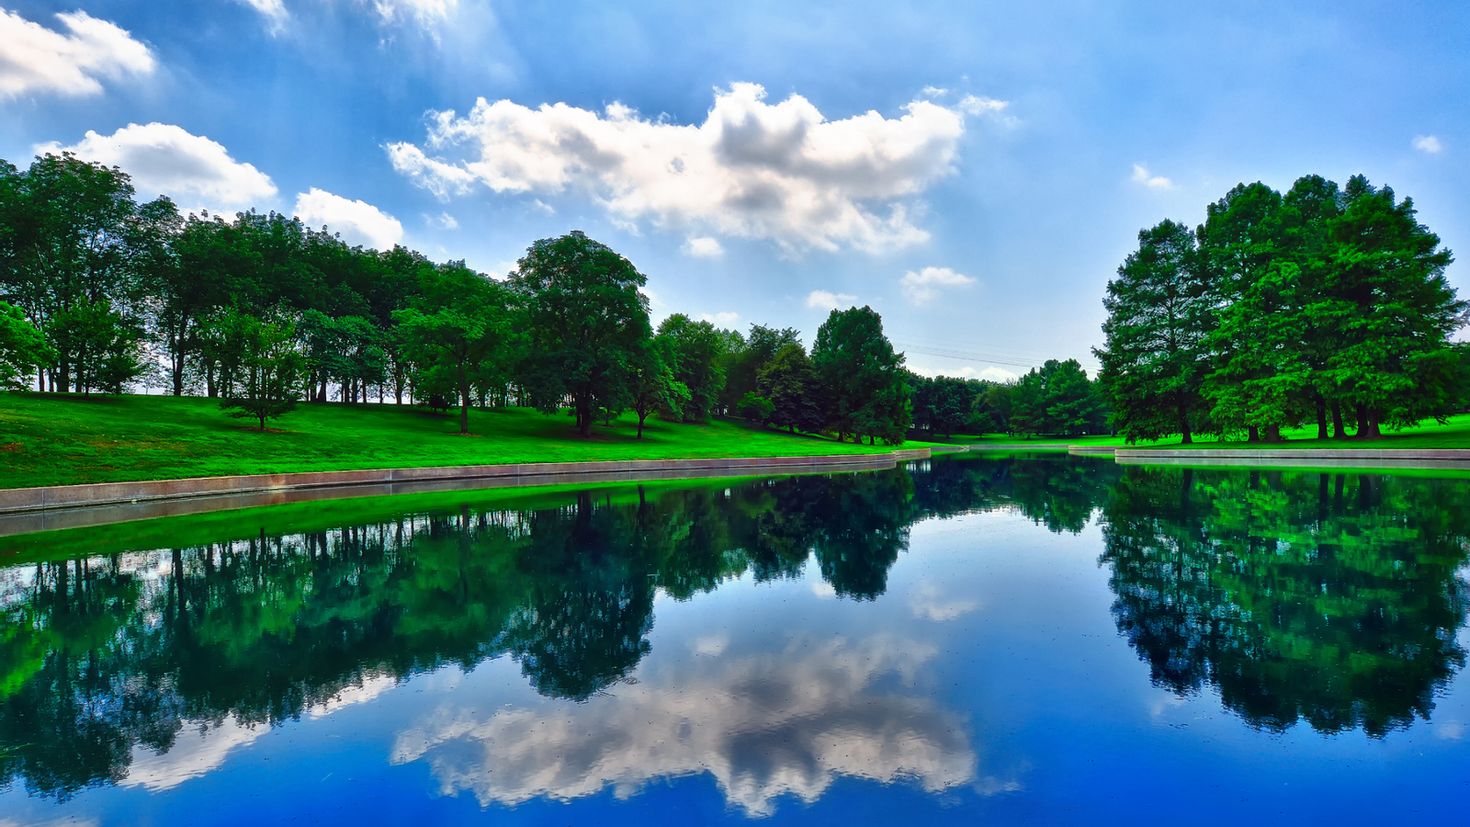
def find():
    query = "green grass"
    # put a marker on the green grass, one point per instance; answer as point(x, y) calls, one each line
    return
point(1455, 433)
point(63, 439)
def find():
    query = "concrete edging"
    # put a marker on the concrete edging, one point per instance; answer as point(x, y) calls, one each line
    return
point(44, 498)
point(1425, 458)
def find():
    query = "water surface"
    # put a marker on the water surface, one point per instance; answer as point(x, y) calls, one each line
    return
point(1054, 640)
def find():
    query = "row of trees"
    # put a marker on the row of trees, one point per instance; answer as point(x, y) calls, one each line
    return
point(1056, 399)
point(101, 293)
point(1325, 304)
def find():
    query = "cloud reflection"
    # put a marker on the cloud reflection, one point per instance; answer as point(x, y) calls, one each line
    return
point(762, 726)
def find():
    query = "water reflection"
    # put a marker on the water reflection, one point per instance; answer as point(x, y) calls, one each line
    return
point(762, 725)
point(1333, 599)
point(1330, 598)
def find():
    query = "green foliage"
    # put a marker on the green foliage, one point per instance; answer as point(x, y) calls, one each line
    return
point(746, 357)
point(1159, 313)
point(654, 387)
point(1056, 398)
point(585, 322)
point(789, 382)
point(22, 347)
point(867, 394)
point(755, 408)
point(696, 355)
point(270, 366)
point(460, 322)
point(1284, 310)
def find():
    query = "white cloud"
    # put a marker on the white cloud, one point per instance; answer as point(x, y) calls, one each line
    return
point(825, 711)
point(928, 602)
point(542, 207)
point(358, 222)
point(443, 221)
point(933, 92)
point(164, 159)
point(1141, 175)
point(1428, 144)
point(751, 169)
point(429, 15)
point(990, 373)
point(828, 300)
point(425, 13)
point(703, 247)
point(74, 62)
point(923, 286)
point(274, 11)
point(724, 318)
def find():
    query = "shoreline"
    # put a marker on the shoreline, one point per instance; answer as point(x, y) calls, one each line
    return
point(48, 508)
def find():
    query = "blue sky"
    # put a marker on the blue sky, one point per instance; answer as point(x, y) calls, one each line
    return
point(975, 172)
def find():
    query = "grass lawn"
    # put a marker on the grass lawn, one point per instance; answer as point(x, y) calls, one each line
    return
point(1428, 434)
point(63, 439)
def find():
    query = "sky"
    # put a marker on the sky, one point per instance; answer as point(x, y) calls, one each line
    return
point(974, 172)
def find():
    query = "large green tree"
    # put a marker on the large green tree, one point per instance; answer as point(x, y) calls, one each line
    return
point(1159, 315)
point(863, 375)
point(22, 347)
point(696, 351)
point(585, 324)
point(461, 321)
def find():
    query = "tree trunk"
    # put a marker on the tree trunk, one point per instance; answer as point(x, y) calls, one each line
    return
point(1321, 418)
point(1339, 431)
point(1252, 434)
point(1361, 411)
point(464, 402)
point(1273, 433)
point(641, 417)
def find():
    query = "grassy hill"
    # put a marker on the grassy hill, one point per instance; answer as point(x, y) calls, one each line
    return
point(62, 439)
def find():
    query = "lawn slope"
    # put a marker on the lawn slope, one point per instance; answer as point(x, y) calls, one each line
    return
point(62, 439)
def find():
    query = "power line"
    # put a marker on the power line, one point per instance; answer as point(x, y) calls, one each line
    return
point(962, 355)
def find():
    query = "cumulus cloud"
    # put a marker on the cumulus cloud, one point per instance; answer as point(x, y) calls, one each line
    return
point(72, 62)
point(703, 247)
point(358, 222)
point(923, 286)
point(164, 159)
point(1142, 176)
point(752, 169)
point(828, 300)
point(761, 726)
point(1428, 144)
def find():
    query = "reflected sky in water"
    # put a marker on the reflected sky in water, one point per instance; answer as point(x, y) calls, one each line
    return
point(1053, 640)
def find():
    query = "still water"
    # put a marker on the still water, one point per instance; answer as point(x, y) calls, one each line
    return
point(1044, 640)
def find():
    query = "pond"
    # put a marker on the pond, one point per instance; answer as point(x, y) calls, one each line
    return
point(968, 639)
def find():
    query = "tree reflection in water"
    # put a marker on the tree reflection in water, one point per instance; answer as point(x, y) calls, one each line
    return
point(1329, 598)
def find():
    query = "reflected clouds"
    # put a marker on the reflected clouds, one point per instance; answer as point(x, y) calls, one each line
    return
point(761, 725)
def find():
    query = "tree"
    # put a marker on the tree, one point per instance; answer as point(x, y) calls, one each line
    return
point(271, 366)
point(22, 347)
point(1395, 363)
point(744, 363)
point(1056, 398)
point(459, 323)
point(695, 355)
point(654, 387)
point(585, 323)
point(942, 404)
point(789, 383)
point(1159, 315)
point(862, 374)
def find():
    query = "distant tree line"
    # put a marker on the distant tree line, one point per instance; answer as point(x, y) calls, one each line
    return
point(1055, 399)
point(1325, 305)
point(101, 293)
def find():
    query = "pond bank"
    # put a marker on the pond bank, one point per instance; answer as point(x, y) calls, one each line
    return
point(26, 510)
point(1429, 459)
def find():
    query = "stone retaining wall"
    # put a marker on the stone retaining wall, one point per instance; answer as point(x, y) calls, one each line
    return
point(15, 500)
